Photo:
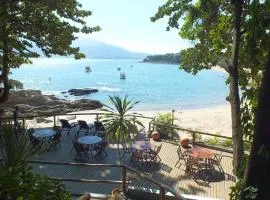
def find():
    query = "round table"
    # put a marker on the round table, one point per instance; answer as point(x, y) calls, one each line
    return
point(89, 140)
point(142, 145)
point(44, 133)
point(199, 152)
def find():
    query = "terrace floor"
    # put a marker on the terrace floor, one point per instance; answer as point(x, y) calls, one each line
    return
point(217, 186)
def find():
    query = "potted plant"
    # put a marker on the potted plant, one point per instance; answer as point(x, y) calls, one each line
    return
point(119, 124)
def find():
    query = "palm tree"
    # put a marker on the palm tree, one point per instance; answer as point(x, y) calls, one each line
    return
point(118, 123)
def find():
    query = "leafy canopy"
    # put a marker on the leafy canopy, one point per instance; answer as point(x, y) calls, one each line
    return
point(29, 26)
point(209, 24)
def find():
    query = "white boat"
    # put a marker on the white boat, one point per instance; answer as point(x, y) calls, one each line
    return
point(88, 69)
point(122, 75)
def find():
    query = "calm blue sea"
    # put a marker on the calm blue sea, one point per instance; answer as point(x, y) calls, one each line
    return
point(156, 86)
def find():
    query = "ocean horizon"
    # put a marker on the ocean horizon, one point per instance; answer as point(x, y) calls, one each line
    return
point(155, 86)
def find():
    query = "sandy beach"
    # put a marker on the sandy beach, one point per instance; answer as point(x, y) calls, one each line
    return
point(214, 120)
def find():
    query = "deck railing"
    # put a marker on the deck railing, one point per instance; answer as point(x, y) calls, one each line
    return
point(194, 135)
point(125, 182)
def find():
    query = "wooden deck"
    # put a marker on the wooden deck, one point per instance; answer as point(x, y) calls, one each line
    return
point(216, 186)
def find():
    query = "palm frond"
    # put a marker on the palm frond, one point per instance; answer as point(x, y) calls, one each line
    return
point(120, 125)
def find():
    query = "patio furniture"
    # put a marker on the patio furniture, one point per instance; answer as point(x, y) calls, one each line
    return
point(99, 129)
point(142, 136)
point(45, 136)
point(151, 155)
point(199, 152)
point(83, 127)
point(100, 149)
point(181, 153)
point(127, 149)
point(34, 141)
point(90, 140)
point(216, 161)
point(199, 158)
point(44, 133)
point(81, 151)
point(137, 156)
point(142, 145)
point(66, 126)
point(55, 141)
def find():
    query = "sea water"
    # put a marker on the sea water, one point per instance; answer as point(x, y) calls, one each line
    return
point(156, 86)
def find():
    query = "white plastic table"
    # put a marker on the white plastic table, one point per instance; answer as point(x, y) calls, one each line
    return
point(142, 145)
point(90, 140)
point(44, 133)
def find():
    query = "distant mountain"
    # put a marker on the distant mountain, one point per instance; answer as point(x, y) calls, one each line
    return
point(96, 49)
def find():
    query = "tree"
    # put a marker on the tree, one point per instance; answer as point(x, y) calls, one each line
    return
point(118, 123)
point(215, 27)
point(258, 37)
point(257, 173)
point(26, 25)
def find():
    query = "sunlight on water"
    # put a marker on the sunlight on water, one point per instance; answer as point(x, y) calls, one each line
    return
point(156, 86)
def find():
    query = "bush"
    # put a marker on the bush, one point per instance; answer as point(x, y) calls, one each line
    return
point(16, 179)
point(165, 131)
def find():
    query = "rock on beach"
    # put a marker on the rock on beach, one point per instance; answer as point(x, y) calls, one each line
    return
point(33, 102)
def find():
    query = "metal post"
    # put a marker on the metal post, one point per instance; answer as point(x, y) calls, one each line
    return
point(172, 121)
point(134, 118)
point(124, 179)
point(23, 121)
point(162, 193)
point(193, 138)
point(172, 116)
point(54, 121)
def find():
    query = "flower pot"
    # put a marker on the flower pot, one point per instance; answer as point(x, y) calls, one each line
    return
point(184, 142)
point(156, 136)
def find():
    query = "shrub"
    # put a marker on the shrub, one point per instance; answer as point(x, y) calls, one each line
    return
point(165, 131)
point(16, 179)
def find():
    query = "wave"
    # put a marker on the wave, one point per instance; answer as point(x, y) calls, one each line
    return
point(102, 83)
point(107, 89)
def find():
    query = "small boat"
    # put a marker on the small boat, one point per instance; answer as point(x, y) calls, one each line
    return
point(88, 69)
point(131, 66)
point(118, 68)
point(122, 75)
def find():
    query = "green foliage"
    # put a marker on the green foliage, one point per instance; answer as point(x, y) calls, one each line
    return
point(15, 149)
point(49, 26)
point(166, 119)
point(227, 143)
point(171, 58)
point(249, 192)
point(118, 123)
point(16, 179)
point(213, 141)
point(15, 84)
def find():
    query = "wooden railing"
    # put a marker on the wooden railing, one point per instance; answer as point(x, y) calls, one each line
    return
point(125, 169)
point(153, 124)
point(23, 118)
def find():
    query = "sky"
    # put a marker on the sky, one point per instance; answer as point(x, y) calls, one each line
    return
point(126, 23)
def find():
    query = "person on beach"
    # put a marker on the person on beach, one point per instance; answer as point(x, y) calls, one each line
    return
point(16, 114)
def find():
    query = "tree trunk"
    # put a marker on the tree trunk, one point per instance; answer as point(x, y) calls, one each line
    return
point(257, 172)
point(234, 90)
point(4, 93)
